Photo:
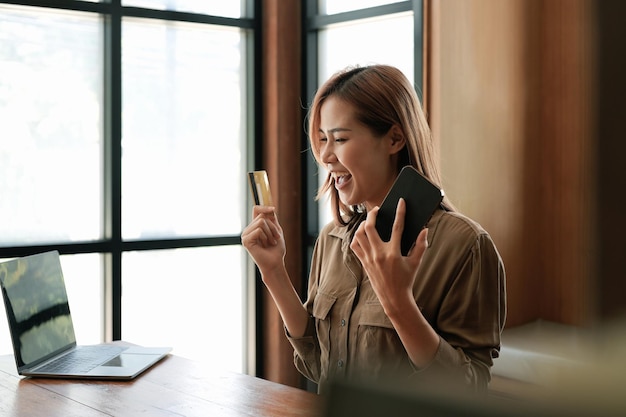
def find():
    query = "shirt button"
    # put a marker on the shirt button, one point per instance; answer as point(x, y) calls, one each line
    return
point(340, 363)
point(343, 322)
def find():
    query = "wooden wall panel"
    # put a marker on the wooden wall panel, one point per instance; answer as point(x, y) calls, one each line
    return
point(508, 99)
point(561, 105)
point(477, 114)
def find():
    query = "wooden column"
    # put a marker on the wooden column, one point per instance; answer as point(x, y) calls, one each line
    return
point(282, 116)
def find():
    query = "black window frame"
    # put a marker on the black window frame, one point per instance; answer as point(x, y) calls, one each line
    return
point(313, 22)
point(113, 245)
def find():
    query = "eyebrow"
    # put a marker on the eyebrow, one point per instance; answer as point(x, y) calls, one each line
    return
point(336, 129)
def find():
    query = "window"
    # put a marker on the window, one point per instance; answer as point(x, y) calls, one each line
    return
point(344, 33)
point(125, 126)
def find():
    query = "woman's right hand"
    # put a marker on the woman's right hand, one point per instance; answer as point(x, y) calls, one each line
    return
point(263, 239)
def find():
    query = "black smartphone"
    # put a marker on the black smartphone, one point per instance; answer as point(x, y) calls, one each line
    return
point(422, 197)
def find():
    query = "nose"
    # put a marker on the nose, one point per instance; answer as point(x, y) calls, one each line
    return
point(327, 153)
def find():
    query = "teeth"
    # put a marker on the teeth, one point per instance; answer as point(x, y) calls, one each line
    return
point(339, 179)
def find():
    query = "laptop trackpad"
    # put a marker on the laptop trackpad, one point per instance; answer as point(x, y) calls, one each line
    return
point(116, 361)
point(127, 360)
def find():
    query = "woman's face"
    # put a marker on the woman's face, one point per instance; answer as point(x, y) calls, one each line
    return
point(362, 165)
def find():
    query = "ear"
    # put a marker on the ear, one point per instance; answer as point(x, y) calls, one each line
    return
point(397, 139)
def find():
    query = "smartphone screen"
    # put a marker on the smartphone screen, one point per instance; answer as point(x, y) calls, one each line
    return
point(422, 198)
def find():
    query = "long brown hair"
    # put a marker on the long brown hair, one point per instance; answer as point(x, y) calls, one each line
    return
point(383, 97)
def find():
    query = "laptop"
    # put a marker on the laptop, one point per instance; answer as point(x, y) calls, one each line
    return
point(42, 331)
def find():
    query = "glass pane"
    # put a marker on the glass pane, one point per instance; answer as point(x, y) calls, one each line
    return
point(190, 299)
point(51, 117)
point(83, 282)
point(224, 8)
point(366, 42)
point(338, 49)
point(339, 6)
point(183, 130)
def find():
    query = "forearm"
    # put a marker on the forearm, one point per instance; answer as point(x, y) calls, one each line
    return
point(418, 337)
point(294, 315)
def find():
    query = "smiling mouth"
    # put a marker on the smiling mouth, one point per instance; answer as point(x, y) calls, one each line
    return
point(341, 180)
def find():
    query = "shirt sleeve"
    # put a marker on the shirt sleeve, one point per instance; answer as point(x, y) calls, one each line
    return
point(306, 354)
point(471, 319)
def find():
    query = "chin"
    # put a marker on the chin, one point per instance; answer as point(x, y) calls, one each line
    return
point(350, 199)
point(351, 202)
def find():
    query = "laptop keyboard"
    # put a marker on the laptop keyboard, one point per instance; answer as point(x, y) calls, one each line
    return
point(82, 359)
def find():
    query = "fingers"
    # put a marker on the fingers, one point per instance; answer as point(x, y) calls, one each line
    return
point(398, 225)
point(366, 236)
point(265, 210)
point(264, 230)
point(258, 234)
point(421, 243)
point(359, 241)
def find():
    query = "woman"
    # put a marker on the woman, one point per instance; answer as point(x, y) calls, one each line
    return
point(371, 312)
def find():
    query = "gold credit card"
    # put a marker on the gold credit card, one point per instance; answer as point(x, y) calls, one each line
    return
point(260, 188)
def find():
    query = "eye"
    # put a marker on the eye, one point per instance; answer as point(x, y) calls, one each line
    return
point(323, 139)
point(340, 139)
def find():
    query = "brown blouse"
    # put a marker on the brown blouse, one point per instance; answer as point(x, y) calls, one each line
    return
point(460, 289)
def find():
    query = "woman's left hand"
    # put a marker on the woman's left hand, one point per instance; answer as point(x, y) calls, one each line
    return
point(391, 274)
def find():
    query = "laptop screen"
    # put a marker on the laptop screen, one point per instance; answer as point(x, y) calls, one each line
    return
point(37, 308)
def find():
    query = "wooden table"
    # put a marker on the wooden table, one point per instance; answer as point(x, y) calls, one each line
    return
point(174, 387)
